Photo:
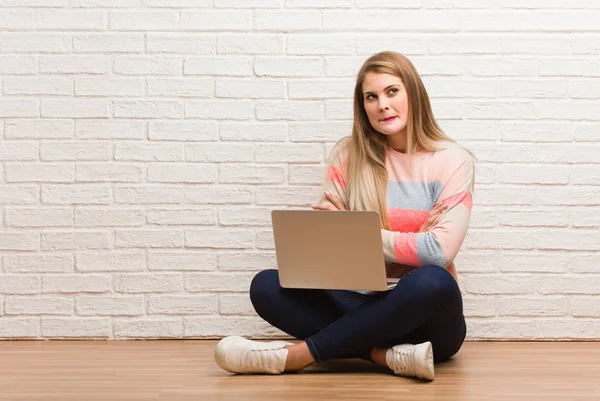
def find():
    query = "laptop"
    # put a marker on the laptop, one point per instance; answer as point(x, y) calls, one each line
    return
point(335, 250)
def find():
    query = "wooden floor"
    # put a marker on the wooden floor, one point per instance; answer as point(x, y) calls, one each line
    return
point(185, 370)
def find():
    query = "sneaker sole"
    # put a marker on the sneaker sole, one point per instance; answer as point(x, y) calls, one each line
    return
point(425, 352)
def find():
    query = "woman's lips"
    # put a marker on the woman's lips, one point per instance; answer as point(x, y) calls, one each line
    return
point(387, 120)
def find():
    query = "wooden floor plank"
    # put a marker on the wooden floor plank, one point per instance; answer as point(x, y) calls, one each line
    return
point(185, 370)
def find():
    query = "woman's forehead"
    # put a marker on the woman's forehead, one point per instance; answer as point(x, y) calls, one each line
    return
point(376, 81)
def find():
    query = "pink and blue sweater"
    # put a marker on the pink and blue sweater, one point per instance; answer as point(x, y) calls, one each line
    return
point(445, 176)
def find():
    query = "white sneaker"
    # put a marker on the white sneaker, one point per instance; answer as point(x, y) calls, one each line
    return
point(411, 360)
point(238, 355)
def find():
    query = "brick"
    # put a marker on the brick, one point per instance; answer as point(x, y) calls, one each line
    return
point(182, 173)
point(182, 305)
point(250, 44)
point(181, 216)
point(19, 108)
point(180, 87)
point(244, 216)
point(250, 174)
point(39, 305)
point(585, 174)
point(104, 305)
point(110, 129)
point(500, 239)
point(247, 4)
point(288, 110)
point(286, 20)
point(75, 328)
point(218, 282)
point(188, 43)
point(110, 261)
point(326, 44)
point(20, 284)
point(108, 217)
point(148, 152)
point(58, 241)
point(39, 263)
point(16, 20)
point(586, 132)
point(103, 172)
point(219, 194)
point(216, 327)
point(219, 109)
point(523, 131)
point(64, 20)
point(384, 20)
point(505, 195)
point(38, 86)
point(230, 20)
point(108, 42)
point(329, 88)
point(493, 284)
point(250, 88)
point(219, 152)
point(48, 172)
point(75, 194)
point(18, 195)
point(104, 3)
point(68, 64)
point(148, 283)
point(479, 306)
point(534, 218)
point(148, 328)
point(585, 306)
point(18, 328)
point(182, 261)
point(218, 66)
point(581, 240)
point(148, 109)
point(235, 304)
point(178, 3)
point(306, 174)
point(139, 20)
point(578, 153)
point(407, 44)
point(75, 108)
point(281, 153)
point(288, 66)
point(533, 174)
point(66, 151)
point(291, 196)
point(16, 64)
point(20, 42)
point(161, 194)
point(75, 283)
point(18, 150)
point(39, 129)
point(108, 86)
point(567, 196)
point(533, 306)
point(338, 109)
point(148, 238)
point(243, 261)
point(264, 239)
point(267, 132)
point(219, 238)
point(38, 217)
point(197, 131)
point(567, 284)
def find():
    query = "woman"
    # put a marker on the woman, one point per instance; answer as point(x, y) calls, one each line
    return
point(397, 162)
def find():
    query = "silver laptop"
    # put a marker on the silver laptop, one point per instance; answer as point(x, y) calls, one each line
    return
point(330, 250)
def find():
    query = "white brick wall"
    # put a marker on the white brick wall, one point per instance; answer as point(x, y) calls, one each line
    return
point(143, 144)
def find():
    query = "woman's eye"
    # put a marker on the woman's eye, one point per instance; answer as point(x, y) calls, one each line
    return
point(370, 97)
point(393, 90)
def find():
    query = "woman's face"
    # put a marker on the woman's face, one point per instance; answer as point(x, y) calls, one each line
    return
point(386, 103)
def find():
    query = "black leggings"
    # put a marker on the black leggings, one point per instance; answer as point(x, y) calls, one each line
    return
point(426, 305)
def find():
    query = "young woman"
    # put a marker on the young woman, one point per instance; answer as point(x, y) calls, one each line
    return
point(397, 162)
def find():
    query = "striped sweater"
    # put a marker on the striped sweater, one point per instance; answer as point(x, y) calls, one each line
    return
point(445, 176)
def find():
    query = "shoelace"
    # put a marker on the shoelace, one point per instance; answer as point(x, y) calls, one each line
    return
point(403, 361)
point(259, 357)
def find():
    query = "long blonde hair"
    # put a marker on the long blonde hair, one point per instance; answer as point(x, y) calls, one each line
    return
point(367, 175)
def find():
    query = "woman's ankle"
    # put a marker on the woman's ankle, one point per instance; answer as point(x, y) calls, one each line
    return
point(378, 355)
point(298, 357)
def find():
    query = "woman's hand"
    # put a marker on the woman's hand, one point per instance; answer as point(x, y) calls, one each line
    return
point(434, 217)
point(335, 203)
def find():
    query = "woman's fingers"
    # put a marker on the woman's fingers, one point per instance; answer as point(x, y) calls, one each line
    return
point(335, 201)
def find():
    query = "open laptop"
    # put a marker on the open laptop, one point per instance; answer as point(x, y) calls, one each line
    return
point(330, 250)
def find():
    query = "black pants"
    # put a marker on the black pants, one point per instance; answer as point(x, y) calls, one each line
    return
point(426, 305)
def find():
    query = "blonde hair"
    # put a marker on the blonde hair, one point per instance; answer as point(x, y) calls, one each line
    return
point(367, 175)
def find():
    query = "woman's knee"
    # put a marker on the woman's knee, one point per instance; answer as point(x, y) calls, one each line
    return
point(436, 281)
point(262, 286)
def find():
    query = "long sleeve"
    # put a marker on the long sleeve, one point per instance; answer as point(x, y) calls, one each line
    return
point(453, 177)
point(335, 175)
